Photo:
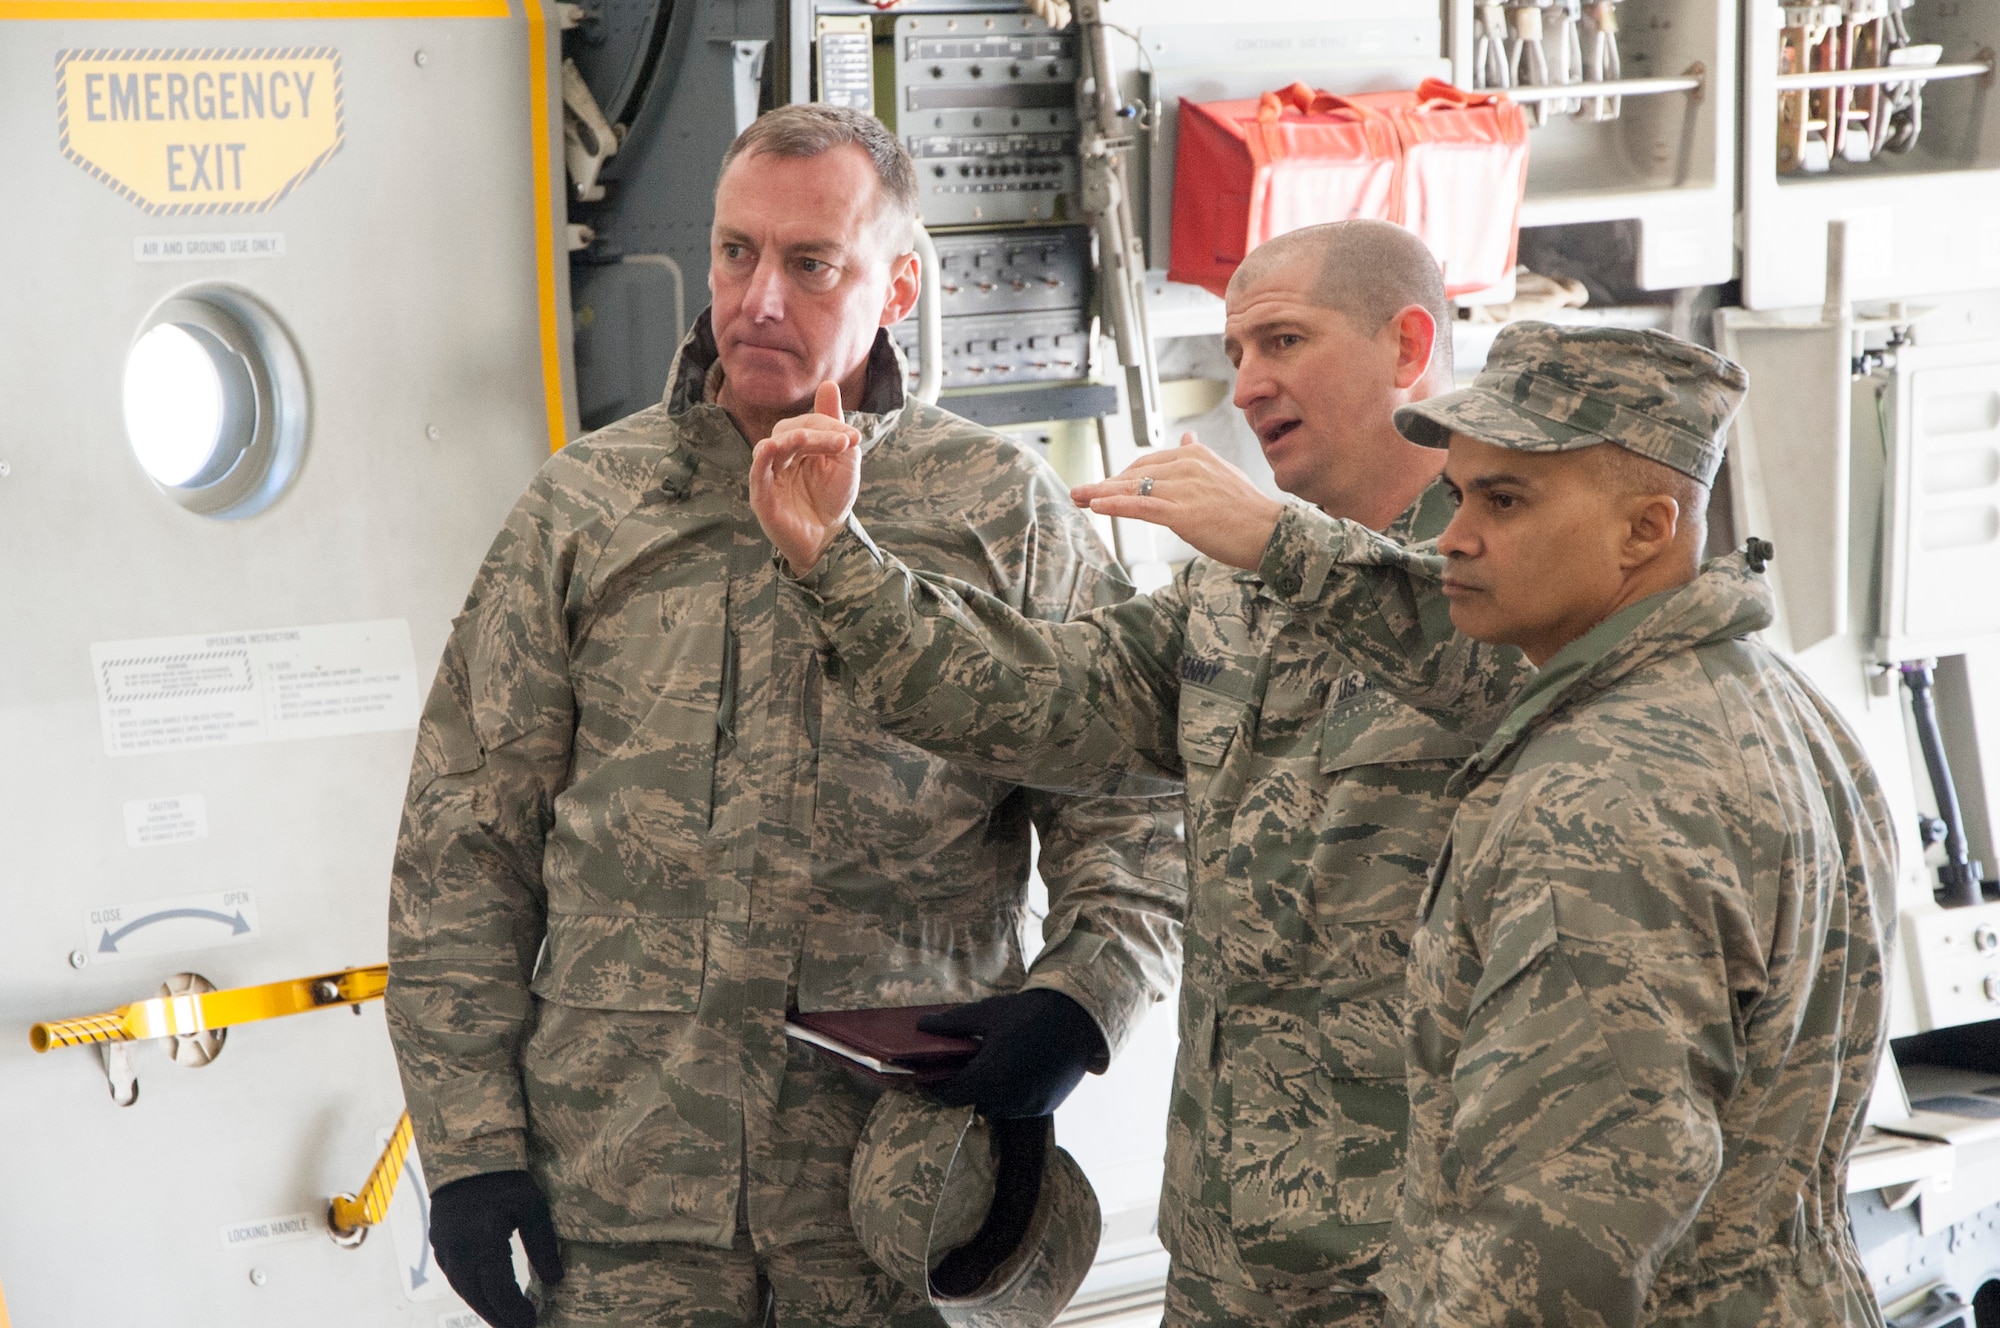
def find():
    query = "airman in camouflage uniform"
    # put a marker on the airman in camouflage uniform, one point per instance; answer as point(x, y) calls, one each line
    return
point(1648, 987)
point(643, 823)
point(1315, 804)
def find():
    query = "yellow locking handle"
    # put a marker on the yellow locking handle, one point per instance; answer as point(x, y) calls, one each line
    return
point(349, 1216)
point(169, 1016)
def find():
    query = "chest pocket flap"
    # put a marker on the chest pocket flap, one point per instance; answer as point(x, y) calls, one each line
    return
point(1374, 728)
point(1208, 721)
point(1520, 937)
point(623, 962)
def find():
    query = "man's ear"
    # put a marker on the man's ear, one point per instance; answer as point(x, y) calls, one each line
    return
point(904, 271)
point(1416, 338)
point(1653, 524)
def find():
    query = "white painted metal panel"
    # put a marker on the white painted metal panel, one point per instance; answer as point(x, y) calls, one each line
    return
point(407, 280)
point(1941, 536)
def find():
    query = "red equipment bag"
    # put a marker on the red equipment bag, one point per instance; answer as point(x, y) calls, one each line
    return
point(1245, 171)
point(1449, 164)
point(1465, 169)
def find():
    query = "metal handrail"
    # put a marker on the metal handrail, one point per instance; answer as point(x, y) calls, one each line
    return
point(1621, 87)
point(1877, 75)
point(930, 319)
point(680, 288)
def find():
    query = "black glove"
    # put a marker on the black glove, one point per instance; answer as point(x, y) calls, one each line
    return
point(471, 1220)
point(1036, 1045)
point(1020, 1151)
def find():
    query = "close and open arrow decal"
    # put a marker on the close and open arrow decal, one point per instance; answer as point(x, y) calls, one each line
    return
point(234, 921)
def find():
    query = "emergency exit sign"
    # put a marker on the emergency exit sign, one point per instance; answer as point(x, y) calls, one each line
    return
point(200, 131)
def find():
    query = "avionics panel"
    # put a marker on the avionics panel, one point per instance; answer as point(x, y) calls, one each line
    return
point(1016, 306)
point(986, 104)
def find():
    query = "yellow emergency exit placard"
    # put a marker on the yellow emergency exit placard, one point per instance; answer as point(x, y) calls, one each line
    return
point(192, 131)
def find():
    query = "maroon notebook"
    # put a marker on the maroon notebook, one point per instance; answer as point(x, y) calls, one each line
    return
point(885, 1045)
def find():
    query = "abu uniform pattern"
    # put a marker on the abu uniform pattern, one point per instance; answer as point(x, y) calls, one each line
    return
point(1648, 987)
point(642, 823)
point(1315, 805)
point(1549, 388)
point(826, 1284)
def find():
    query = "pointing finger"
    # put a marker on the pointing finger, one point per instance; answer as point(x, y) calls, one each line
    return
point(826, 401)
point(1128, 504)
point(1130, 483)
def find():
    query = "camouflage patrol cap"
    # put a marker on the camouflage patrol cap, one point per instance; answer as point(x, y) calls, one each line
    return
point(921, 1186)
point(1554, 389)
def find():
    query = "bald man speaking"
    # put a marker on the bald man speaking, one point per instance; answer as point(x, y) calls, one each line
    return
point(1314, 802)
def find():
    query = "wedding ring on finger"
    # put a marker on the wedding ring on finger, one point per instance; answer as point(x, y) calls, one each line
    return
point(1145, 486)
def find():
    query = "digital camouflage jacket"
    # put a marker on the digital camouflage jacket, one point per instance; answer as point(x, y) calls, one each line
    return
point(1315, 805)
point(642, 823)
point(1648, 988)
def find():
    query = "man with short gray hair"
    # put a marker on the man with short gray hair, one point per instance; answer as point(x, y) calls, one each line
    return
point(643, 822)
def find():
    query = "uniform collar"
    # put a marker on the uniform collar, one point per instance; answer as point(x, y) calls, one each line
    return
point(1426, 518)
point(1725, 601)
point(697, 377)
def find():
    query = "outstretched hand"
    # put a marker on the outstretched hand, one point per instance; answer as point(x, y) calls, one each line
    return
point(804, 479)
point(1197, 495)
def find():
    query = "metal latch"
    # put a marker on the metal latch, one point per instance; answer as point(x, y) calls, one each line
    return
point(348, 1216)
point(194, 1016)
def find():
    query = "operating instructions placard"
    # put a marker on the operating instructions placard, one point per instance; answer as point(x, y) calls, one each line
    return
point(229, 688)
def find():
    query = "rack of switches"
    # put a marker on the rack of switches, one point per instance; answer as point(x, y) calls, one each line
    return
point(1015, 305)
point(986, 104)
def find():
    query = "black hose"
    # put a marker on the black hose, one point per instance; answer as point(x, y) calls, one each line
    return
point(1958, 879)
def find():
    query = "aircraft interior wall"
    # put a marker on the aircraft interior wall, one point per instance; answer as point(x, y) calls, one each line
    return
point(303, 293)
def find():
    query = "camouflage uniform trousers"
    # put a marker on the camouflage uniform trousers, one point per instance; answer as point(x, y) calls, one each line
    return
point(814, 1284)
point(1197, 1301)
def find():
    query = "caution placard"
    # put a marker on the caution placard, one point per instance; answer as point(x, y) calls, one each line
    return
point(192, 131)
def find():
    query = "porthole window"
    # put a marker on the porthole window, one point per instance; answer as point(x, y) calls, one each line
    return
point(215, 402)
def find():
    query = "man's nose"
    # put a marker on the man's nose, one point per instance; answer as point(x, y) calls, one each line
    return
point(765, 298)
point(1458, 539)
point(1252, 383)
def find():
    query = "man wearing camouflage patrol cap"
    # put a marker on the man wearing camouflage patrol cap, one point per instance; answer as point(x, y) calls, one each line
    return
point(1315, 803)
point(643, 822)
point(1648, 986)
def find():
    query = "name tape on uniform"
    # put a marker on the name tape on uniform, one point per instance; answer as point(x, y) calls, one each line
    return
point(163, 926)
point(199, 131)
point(230, 688)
